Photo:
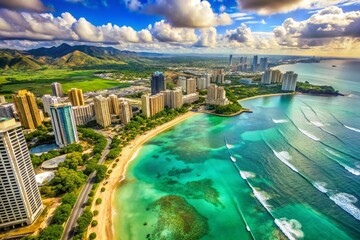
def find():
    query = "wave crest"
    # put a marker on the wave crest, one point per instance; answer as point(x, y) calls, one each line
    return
point(320, 186)
point(352, 129)
point(308, 134)
point(285, 157)
point(291, 228)
point(346, 201)
point(276, 121)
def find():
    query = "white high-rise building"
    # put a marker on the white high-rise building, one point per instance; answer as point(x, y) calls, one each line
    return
point(126, 112)
point(56, 89)
point(182, 83)
point(216, 96)
point(173, 98)
point(271, 76)
point(289, 81)
point(49, 100)
point(20, 200)
point(202, 83)
point(63, 123)
point(84, 114)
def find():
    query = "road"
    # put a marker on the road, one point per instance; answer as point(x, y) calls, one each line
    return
point(79, 207)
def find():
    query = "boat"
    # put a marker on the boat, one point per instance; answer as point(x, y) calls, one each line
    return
point(233, 158)
point(247, 228)
point(333, 65)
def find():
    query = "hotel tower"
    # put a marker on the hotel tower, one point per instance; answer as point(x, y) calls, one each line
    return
point(63, 123)
point(20, 200)
point(27, 109)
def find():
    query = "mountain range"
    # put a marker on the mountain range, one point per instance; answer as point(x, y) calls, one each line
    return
point(65, 55)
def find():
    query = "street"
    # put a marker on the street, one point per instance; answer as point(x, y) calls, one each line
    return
point(79, 207)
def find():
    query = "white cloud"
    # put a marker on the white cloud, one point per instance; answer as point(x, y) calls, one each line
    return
point(207, 38)
point(33, 26)
point(23, 5)
point(164, 32)
point(241, 34)
point(267, 7)
point(256, 22)
point(187, 13)
point(133, 4)
point(222, 8)
point(320, 29)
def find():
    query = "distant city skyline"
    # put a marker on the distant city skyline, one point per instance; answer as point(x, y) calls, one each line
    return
point(298, 27)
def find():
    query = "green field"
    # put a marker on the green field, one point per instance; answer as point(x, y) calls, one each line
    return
point(38, 81)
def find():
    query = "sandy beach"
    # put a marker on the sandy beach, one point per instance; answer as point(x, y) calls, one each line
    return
point(268, 95)
point(104, 229)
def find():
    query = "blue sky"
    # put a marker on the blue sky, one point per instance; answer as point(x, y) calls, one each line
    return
point(311, 27)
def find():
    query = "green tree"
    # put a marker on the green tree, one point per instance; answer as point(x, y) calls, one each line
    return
point(69, 198)
point(98, 201)
point(100, 173)
point(94, 223)
point(61, 214)
point(83, 221)
point(67, 180)
point(92, 236)
point(52, 232)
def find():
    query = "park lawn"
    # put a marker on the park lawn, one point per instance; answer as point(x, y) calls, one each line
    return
point(39, 81)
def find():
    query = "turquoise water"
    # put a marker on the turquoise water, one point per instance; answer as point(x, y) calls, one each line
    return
point(290, 170)
point(43, 148)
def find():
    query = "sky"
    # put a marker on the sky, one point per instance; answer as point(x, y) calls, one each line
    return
point(291, 27)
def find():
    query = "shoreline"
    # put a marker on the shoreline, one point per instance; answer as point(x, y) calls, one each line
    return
point(105, 218)
point(105, 228)
point(268, 95)
point(244, 110)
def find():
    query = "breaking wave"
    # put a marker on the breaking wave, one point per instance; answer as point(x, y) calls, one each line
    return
point(276, 121)
point(291, 228)
point(348, 168)
point(306, 133)
point(285, 157)
point(352, 129)
point(346, 202)
point(317, 124)
point(246, 175)
point(320, 186)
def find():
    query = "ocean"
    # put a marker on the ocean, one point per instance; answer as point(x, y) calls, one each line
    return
point(289, 170)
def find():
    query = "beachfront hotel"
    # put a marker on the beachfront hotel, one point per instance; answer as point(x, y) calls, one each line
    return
point(114, 105)
point(56, 89)
point(63, 123)
point(289, 81)
point(20, 200)
point(125, 112)
point(173, 98)
point(27, 109)
point(216, 96)
point(102, 111)
point(76, 97)
point(271, 76)
point(84, 114)
point(152, 104)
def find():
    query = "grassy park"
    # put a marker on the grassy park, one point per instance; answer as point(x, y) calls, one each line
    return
point(38, 81)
